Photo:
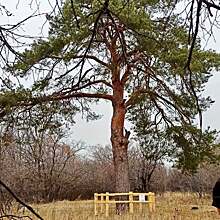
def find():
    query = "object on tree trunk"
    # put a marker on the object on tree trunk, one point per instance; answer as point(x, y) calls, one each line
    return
point(120, 154)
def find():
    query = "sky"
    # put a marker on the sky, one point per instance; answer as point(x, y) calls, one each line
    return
point(98, 132)
point(212, 116)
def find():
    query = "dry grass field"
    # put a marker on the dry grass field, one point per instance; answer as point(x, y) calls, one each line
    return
point(170, 206)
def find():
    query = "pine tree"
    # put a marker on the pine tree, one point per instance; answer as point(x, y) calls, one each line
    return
point(118, 51)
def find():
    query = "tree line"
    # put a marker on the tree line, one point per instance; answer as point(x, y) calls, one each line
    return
point(53, 171)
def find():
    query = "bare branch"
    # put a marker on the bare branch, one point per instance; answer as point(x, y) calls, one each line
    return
point(19, 201)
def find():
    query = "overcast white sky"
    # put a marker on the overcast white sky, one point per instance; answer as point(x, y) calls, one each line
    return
point(98, 132)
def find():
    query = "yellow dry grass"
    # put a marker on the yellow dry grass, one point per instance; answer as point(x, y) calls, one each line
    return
point(170, 206)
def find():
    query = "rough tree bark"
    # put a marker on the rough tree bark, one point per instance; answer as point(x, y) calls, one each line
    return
point(119, 142)
point(119, 136)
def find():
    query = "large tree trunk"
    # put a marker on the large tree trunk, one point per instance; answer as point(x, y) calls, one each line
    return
point(119, 136)
point(119, 140)
point(120, 150)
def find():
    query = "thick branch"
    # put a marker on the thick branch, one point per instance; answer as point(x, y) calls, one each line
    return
point(19, 201)
point(211, 4)
point(57, 97)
